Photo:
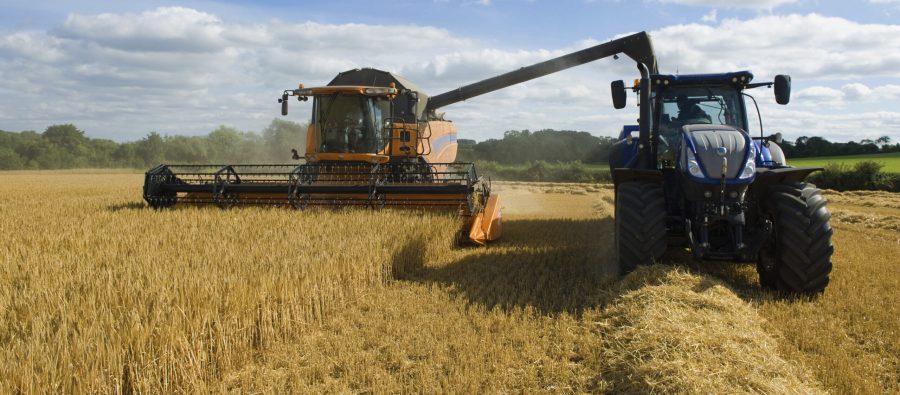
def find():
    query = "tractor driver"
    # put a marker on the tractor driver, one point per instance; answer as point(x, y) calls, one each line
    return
point(689, 112)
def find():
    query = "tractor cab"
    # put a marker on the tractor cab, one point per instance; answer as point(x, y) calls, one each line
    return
point(706, 99)
point(681, 104)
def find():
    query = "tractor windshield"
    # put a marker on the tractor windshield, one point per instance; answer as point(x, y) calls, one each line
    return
point(686, 105)
point(718, 105)
point(349, 123)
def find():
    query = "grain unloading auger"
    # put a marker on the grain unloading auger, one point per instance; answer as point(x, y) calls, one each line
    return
point(374, 140)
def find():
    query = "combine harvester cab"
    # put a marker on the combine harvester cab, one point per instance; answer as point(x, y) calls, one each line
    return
point(369, 144)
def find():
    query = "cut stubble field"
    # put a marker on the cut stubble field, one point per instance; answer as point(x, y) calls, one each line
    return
point(101, 294)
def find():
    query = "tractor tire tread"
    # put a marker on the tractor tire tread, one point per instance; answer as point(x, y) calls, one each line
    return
point(803, 246)
point(640, 224)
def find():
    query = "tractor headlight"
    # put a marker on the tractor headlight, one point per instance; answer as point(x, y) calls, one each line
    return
point(750, 166)
point(693, 166)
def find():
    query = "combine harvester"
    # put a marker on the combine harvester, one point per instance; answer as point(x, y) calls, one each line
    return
point(374, 140)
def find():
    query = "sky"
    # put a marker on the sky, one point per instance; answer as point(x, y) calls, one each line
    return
point(120, 70)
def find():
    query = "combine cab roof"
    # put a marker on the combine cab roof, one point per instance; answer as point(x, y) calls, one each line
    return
point(374, 77)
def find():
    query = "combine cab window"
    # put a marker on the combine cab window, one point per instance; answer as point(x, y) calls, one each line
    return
point(348, 124)
point(381, 109)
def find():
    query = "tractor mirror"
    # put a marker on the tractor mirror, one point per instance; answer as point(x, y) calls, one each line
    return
point(284, 104)
point(777, 138)
point(619, 96)
point(782, 89)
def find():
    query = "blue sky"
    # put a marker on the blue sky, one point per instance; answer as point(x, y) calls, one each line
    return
point(122, 69)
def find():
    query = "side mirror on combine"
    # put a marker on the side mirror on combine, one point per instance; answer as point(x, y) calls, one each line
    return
point(284, 104)
point(782, 89)
point(619, 96)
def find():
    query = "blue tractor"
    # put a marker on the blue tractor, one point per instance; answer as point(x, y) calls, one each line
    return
point(691, 174)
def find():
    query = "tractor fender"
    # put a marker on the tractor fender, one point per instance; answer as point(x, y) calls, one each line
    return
point(766, 178)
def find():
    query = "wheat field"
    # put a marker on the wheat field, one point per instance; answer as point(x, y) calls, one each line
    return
point(101, 294)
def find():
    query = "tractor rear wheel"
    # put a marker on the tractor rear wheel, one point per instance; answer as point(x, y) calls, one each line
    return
point(640, 224)
point(797, 258)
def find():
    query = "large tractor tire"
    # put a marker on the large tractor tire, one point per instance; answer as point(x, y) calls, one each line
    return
point(797, 258)
point(640, 224)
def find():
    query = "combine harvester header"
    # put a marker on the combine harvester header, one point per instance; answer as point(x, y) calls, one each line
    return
point(375, 140)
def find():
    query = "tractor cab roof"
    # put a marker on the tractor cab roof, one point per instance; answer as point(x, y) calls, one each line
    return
point(738, 79)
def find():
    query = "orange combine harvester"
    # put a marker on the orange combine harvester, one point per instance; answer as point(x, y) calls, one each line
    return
point(374, 140)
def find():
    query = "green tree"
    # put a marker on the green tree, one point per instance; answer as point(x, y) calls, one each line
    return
point(151, 149)
point(68, 138)
point(10, 160)
point(224, 144)
point(280, 137)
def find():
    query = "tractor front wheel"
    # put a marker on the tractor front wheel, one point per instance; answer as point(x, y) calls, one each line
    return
point(797, 258)
point(640, 224)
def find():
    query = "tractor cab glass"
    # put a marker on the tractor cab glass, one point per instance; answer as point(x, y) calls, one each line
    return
point(348, 123)
point(699, 105)
point(680, 106)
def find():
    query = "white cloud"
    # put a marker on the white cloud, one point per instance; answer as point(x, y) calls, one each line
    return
point(840, 126)
point(179, 70)
point(860, 92)
point(168, 29)
point(849, 93)
point(806, 46)
point(710, 16)
point(751, 4)
point(31, 46)
point(820, 93)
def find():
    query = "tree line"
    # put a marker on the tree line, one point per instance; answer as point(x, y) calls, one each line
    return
point(66, 146)
point(805, 147)
point(548, 145)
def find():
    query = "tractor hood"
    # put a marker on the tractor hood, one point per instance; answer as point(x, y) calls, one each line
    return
point(706, 144)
